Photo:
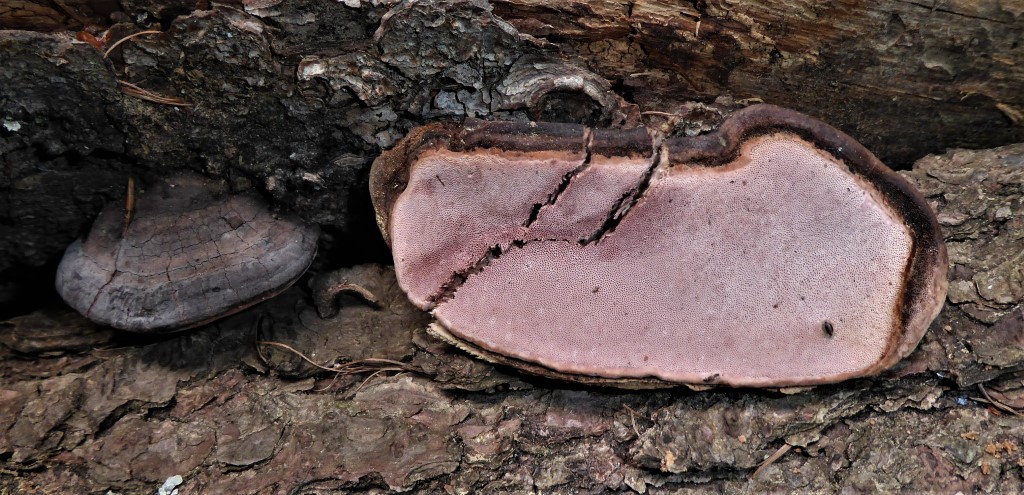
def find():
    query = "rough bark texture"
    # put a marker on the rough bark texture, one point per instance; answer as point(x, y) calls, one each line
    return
point(294, 99)
point(87, 410)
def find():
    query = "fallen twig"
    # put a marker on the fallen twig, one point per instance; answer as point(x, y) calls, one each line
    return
point(144, 94)
point(129, 206)
point(997, 404)
point(357, 366)
point(126, 38)
point(367, 380)
point(632, 418)
point(772, 458)
point(655, 112)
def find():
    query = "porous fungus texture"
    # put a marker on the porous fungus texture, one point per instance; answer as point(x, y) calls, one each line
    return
point(776, 265)
point(731, 272)
point(459, 205)
point(190, 253)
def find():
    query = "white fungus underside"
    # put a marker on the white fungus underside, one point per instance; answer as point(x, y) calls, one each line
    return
point(726, 274)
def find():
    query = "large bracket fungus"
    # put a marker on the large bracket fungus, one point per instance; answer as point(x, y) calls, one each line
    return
point(186, 253)
point(775, 251)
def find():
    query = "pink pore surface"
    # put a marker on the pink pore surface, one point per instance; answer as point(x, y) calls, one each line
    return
point(583, 206)
point(725, 274)
point(457, 206)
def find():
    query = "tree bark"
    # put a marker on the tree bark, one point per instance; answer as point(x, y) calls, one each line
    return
point(294, 100)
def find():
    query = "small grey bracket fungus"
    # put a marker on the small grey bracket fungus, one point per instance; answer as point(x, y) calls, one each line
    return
point(773, 252)
point(190, 254)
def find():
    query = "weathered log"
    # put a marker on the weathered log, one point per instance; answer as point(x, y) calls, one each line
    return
point(293, 100)
point(904, 78)
point(234, 408)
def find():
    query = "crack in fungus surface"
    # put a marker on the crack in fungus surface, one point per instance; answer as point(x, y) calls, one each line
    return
point(771, 252)
point(567, 180)
point(617, 211)
point(632, 197)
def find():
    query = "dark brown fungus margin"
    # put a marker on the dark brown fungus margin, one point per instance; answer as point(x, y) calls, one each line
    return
point(926, 275)
point(555, 171)
point(191, 253)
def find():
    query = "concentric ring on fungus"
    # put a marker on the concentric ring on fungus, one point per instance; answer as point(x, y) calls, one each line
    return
point(775, 251)
point(192, 253)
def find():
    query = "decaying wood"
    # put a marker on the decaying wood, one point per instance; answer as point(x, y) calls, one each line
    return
point(295, 99)
point(904, 78)
point(87, 410)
